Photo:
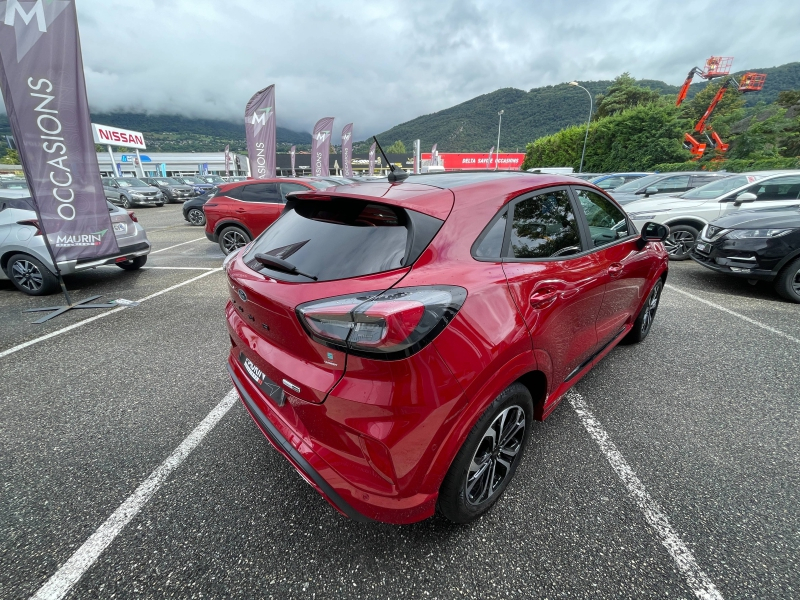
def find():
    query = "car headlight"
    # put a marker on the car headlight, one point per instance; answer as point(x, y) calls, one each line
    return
point(647, 214)
point(740, 234)
point(137, 196)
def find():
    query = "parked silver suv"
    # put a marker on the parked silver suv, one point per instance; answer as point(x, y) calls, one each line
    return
point(24, 258)
point(129, 191)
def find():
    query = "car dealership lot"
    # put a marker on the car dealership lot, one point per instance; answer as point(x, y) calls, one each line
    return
point(704, 413)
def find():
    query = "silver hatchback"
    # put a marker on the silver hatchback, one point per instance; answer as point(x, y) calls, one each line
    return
point(24, 258)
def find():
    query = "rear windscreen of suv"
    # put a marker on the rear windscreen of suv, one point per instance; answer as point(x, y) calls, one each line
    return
point(341, 238)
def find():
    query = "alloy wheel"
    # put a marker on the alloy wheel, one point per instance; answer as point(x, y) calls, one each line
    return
point(651, 306)
point(233, 240)
point(796, 282)
point(27, 275)
point(493, 460)
point(679, 243)
point(196, 216)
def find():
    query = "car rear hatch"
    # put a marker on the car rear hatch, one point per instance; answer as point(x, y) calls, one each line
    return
point(359, 242)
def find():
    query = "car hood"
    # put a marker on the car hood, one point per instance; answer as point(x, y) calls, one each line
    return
point(765, 218)
point(139, 189)
point(663, 203)
point(180, 187)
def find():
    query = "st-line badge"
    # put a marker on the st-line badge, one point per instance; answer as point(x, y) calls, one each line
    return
point(264, 383)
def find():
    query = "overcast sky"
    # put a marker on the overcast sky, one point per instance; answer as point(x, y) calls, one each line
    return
point(381, 63)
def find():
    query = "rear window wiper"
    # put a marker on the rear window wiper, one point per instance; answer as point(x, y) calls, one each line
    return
point(278, 264)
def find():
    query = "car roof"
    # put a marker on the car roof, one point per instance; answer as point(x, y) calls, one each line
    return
point(453, 180)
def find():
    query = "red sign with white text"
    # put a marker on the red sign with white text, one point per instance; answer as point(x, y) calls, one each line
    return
point(457, 161)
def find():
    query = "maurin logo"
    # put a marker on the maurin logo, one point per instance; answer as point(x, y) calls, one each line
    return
point(30, 20)
point(321, 135)
point(84, 239)
point(346, 137)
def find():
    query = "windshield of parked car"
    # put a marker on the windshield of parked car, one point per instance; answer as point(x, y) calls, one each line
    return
point(718, 188)
point(194, 180)
point(213, 179)
point(130, 182)
point(637, 184)
point(167, 181)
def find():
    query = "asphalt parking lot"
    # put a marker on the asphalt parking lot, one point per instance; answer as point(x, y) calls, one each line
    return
point(696, 428)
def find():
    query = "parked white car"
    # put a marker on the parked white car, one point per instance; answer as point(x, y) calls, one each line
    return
point(687, 214)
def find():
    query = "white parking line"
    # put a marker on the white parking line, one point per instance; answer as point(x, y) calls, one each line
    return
point(700, 583)
point(176, 245)
point(71, 571)
point(53, 334)
point(735, 314)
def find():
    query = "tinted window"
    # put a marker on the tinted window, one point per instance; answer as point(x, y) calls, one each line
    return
point(637, 184)
point(698, 180)
point(611, 182)
point(780, 188)
point(334, 239)
point(719, 187)
point(288, 188)
point(492, 243)
point(607, 223)
point(261, 192)
point(672, 184)
point(544, 226)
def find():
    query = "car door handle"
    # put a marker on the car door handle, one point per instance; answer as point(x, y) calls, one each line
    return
point(543, 297)
point(615, 270)
point(240, 210)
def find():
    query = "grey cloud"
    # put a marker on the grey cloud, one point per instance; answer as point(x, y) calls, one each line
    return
point(381, 63)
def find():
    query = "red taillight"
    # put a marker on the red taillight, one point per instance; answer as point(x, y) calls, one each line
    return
point(133, 216)
point(31, 223)
point(389, 325)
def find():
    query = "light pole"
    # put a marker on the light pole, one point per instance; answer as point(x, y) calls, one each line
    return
point(497, 152)
point(591, 109)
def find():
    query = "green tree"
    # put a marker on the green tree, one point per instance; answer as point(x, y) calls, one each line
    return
point(623, 94)
point(397, 148)
point(11, 157)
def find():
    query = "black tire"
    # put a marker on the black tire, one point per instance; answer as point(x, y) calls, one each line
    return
point(644, 322)
point(787, 285)
point(196, 217)
point(467, 492)
point(680, 241)
point(133, 264)
point(231, 238)
point(160, 205)
point(30, 276)
point(126, 202)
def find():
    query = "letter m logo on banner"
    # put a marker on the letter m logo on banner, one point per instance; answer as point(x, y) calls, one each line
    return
point(30, 20)
point(13, 8)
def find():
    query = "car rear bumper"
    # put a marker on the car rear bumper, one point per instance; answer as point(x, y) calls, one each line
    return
point(125, 253)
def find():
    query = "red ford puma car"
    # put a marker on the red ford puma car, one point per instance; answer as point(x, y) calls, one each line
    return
point(395, 341)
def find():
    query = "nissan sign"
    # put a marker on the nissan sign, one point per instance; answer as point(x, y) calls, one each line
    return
point(113, 136)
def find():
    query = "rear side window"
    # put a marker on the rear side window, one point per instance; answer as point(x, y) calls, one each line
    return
point(288, 188)
point(544, 226)
point(342, 238)
point(673, 184)
point(260, 192)
point(491, 244)
point(611, 182)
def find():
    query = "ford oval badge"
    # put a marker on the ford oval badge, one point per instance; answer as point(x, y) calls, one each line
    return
point(242, 295)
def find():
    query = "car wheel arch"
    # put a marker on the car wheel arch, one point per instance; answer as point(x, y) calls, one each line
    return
point(695, 222)
point(783, 262)
point(231, 223)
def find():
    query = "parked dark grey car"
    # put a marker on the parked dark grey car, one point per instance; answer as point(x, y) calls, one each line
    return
point(173, 190)
point(663, 184)
point(129, 191)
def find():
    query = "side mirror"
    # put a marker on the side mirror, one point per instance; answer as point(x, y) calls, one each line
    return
point(653, 232)
point(745, 197)
point(649, 191)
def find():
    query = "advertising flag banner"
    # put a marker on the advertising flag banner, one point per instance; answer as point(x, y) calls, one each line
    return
point(41, 76)
point(372, 159)
point(433, 155)
point(260, 130)
point(347, 150)
point(227, 158)
point(291, 155)
point(489, 162)
point(321, 147)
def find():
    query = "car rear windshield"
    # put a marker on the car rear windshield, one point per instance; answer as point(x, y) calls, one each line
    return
point(342, 238)
point(638, 184)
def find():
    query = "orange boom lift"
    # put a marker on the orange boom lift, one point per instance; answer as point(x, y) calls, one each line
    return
point(749, 82)
point(716, 66)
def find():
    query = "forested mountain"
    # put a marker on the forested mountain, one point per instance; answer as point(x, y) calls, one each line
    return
point(472, 125)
